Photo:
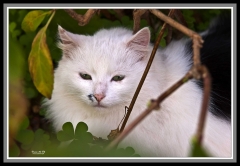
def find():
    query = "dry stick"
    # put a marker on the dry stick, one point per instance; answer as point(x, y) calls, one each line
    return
point(197, 44)
point(174, 24)
point(145, 72)
point(120, 13)
point(137, 13)
point(82, 20)
point(153, 105)
point(198, 70)
point(179, 17)
point(206, 96)
point(196, 37)
point(169, 35)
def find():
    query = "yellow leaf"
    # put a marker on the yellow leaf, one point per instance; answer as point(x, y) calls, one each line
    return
point(40, 63)
point(33, 19)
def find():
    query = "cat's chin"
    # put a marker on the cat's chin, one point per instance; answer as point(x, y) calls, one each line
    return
point(99, 106)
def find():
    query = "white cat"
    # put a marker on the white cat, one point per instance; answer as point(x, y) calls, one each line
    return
point(98, 75)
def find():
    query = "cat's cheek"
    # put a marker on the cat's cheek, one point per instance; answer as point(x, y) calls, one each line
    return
point(82, 88)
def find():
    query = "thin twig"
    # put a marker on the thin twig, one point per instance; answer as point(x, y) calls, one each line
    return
point(197, 39)
point(173, 23)
point(108, 15)
point(153, 106)
point(205, 103)
point(197, 44)
point(119, 12)
point(180, 18)
point(137, 13)
point(169, 35)
point(156, 45)
point(82, 20)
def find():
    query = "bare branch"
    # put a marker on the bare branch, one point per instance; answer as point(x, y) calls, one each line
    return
point(206, 96)
point(108, 15)
point(119, 12)
point(145, 72)
point(173, 23)
point(197, 39)
point(179, 17)
point(197, 44)
point(137, 13)
point(82, 20)
point(169, 35)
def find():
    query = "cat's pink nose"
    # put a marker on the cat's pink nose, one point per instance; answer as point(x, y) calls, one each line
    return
point(99, 97)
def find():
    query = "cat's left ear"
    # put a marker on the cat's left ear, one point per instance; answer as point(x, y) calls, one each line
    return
point(140, 40)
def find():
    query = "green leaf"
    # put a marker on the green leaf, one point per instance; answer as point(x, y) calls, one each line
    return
point(42, 111)
point(97, 150)
point(68, 128)
point(162, 43)
point(16, 33)
point(39, 133)
point(136, 155)
point(14, 151)
point(129, 151)
point(85, 137)
point(30, 92)
point(197, 150)
point(67, 133)
point(25, 136)
point(79, 148)
point(16, 59)
point(126, 21)
point(119, 152)
point(12, 26)
point(40, 64)
point(25, 123)
point(33, 19)
point(81, 127)
point(26, 146)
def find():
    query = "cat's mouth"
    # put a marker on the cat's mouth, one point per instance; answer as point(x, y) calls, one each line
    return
point(98, 105)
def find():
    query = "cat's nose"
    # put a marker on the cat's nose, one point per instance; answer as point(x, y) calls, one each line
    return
point(99, 97)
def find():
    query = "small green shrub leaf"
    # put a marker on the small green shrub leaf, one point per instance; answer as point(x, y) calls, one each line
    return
point(25, 136)
point(67, 133)
point(81, 127)
point(14, 151)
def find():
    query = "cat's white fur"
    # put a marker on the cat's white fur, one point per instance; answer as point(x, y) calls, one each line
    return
point(163, 133)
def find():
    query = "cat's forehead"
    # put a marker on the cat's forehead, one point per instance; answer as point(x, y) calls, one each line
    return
point(106, 51)
point(107, 45)
point(119, 33)
point(115, 35)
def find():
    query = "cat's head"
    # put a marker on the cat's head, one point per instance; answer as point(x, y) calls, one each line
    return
point(102, 70)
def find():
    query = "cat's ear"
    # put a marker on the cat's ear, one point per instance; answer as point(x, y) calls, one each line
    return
point(68, 41)
point(66, 37)
point(140, 40)
point(139, 43)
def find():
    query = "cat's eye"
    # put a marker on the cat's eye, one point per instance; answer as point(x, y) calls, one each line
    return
point(85, 76)
point(118, 78)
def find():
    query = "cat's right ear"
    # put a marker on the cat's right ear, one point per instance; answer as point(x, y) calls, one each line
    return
point(139, 42)
point(68, 41)
point(66, 37)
